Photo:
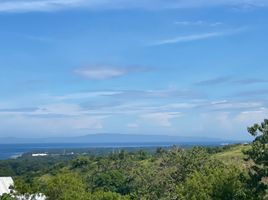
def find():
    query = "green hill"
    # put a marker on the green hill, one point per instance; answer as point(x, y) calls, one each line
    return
point(234, 156)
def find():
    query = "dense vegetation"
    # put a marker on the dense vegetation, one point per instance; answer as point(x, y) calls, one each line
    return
point(221, 173)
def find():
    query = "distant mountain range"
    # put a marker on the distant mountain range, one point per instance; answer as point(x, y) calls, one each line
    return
point(115, 139)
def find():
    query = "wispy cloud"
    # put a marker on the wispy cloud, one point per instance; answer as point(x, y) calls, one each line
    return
point(214, 81)
point(37, 5)
point(125, 95)
point(158, 94)
point(197, 23)
point(252, 116)
point(15, 110)
point(52, 5)
point(233, 105)
point(72, 116)
point(196, 37)
point(252, 93)
point(49, 119)
point(83, 95)
point(231, 80)
point(249, 81)
point(107, 72)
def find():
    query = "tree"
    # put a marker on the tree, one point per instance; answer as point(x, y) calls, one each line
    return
point(65, 186)
point(112, 180)
point(25, 187)
point(80, 162)
point(219, 183)
point(6, 197)
point(259, 155)
point(108, 196)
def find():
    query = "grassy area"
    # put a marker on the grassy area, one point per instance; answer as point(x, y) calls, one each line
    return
point(234, 156)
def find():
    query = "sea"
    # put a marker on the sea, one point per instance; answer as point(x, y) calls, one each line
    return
point(12, 151)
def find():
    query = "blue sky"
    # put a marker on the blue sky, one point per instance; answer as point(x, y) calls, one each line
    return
point(178, 67)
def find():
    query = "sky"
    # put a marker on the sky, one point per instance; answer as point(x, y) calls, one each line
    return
point(194, 68)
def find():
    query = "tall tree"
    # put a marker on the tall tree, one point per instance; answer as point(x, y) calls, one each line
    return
point(258, 153)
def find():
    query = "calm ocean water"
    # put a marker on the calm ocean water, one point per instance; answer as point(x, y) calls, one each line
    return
point(14, 150)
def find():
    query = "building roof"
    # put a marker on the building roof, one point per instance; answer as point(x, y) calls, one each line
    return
point(5, 183)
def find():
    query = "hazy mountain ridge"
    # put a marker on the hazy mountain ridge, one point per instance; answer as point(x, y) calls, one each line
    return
point(112, 138)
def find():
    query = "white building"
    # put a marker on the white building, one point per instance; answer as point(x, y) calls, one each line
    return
point(39, 154)
point(5, 184)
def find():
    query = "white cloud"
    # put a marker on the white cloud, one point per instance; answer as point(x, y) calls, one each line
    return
point(50, 5)
point(101, 72)
point(129, 95)
point(50, 119)
point(195, 37)
point(230, 124)
point(84, 95)
point(161, 118)
point(26, 124)
point(222, 105)
point(252, 116)
point(179, 106)
point(217, 122)
point(106, 72)
point(152, 109)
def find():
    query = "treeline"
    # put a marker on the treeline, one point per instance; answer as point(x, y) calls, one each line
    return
point(168, 174)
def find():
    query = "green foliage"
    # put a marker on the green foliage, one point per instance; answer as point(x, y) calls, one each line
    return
point(80, 162)
point(29, 167)
point(107, 196)
point(217, 183)
point(258, 153)
point(6, 197)
point(112, 180)
point(25, 186)
point(65, 186)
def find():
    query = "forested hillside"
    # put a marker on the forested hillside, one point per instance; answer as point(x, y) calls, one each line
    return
point(219, 173)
